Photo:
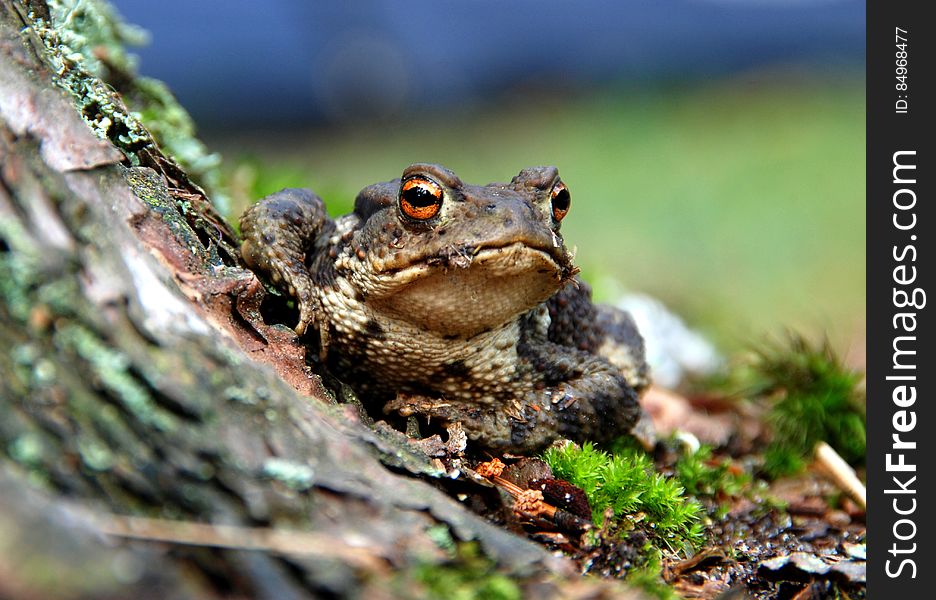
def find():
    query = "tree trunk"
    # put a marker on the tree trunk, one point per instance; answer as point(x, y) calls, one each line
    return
point(143, 397)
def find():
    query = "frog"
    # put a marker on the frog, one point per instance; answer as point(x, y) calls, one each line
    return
point(455, 303)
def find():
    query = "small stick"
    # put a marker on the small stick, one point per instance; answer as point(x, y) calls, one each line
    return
point(531, 502)
point(841, 474)
point(280, 541)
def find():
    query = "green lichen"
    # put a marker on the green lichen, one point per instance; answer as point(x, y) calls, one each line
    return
point(229, 357)
point(236, 393)
point(27, 449)
point(18, 269)
point(112, 369)
point(95, 455)
point(93, 30)
point(150, 188)
point(85, 44)
point(87, 50)
point(295, 476)
point(24, 357)
point(58, 294)
point(174, 130)
point(44, 372)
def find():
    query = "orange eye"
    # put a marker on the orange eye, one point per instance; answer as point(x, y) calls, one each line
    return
point(561, 200)
point(420, 198)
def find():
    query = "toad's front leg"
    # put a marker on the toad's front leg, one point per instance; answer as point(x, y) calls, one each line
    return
point(591, 398)
point(279, 232)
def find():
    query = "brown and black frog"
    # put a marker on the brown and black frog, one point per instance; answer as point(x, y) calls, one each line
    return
point(458, 303)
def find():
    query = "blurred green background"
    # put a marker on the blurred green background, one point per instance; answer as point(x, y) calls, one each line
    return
point(714, 149)
point(739, 202)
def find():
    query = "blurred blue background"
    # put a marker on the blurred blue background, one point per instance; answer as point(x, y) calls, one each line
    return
point(714, 148)
point(292, 60)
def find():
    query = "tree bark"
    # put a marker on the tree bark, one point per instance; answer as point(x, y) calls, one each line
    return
point(143, 396)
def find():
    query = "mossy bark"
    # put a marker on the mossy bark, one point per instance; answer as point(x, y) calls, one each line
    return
point(136, 380)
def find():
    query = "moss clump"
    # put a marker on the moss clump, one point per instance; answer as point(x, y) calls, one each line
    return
point(469, 576)
point(812, 397)
point(649, 578)
point(625, 483)
point(702, 476)
point(715, 482)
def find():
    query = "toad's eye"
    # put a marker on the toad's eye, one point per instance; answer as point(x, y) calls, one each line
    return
point(420, 198)
point(561, 200)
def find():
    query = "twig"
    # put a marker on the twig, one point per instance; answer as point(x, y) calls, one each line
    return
point(264, 539)
point(531, 502)
point(842, 475)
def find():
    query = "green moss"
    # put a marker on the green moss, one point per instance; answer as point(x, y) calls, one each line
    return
point(626, 484)
point(716, 482)
point(469, 576)
point(649, 578)
point(812, 397)
point(702, 477)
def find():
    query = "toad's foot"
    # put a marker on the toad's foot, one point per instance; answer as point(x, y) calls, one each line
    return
point(515, 427)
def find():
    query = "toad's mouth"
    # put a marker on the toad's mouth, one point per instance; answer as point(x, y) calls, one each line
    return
point(462, 257)
point(462, 293)
point(485, 262)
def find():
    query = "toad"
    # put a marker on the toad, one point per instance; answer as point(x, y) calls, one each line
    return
point(456, 303)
